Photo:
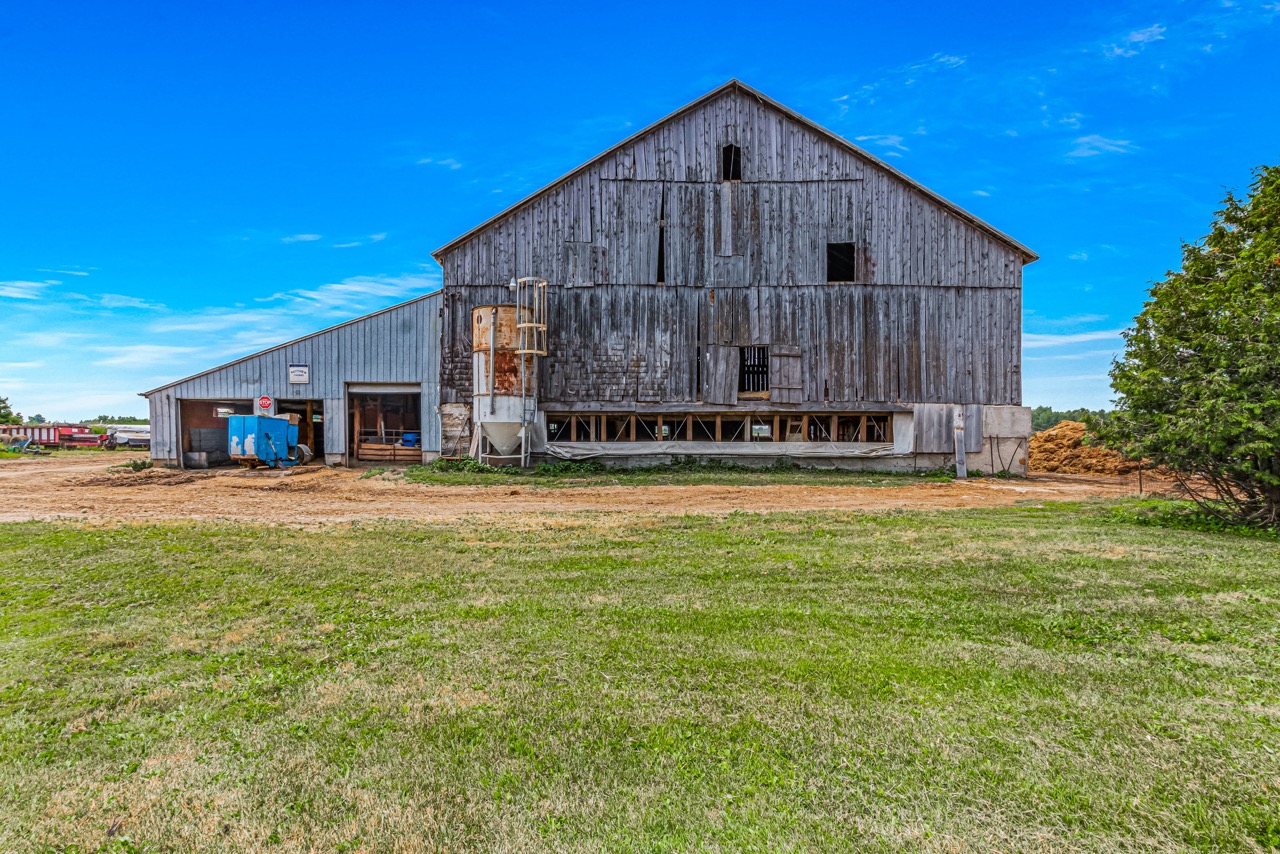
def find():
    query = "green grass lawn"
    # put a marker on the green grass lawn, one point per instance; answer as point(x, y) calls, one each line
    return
point(1021, 679)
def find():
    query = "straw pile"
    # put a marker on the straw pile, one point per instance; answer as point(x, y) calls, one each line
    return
point(1062, 449)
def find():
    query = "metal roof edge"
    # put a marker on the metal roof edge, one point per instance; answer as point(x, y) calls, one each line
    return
point(289, 343)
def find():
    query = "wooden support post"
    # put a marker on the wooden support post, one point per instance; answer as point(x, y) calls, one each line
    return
point(718, 433)
point(862, 428)
point(804, 428)
point(832, 434)
point(688, 427)
point(962, 471)
point(573, 428)
point(777, 421)
point(659, 437)
point(632, 421)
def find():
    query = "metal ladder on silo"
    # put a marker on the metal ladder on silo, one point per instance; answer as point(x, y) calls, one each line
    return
point(531, 322)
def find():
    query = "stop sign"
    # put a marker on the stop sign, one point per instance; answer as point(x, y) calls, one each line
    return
point(264, 402)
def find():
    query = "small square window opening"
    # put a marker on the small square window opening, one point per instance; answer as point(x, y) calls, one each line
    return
point(731, 163)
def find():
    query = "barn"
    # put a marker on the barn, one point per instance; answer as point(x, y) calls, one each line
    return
point(732, 282)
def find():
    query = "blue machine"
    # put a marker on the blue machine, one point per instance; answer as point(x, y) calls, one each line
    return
point(271, 440)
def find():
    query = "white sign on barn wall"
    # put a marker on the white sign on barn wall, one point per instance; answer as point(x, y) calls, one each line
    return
point(299, 374)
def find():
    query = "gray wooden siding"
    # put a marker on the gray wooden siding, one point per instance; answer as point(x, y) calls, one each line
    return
point(399, 345)
point(855, 343)
point(937, 318)
point(799, 191)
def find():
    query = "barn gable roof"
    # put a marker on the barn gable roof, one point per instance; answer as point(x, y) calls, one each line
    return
point(739, 86)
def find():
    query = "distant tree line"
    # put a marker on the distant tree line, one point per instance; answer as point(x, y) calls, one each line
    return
point(1044, 417)
point(116, 419)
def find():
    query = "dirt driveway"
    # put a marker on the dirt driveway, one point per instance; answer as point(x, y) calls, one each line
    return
point(82, 488)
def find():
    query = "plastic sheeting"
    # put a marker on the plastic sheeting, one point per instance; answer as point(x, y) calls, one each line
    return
point(809, 450)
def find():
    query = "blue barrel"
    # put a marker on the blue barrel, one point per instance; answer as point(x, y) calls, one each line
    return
point(411, 440)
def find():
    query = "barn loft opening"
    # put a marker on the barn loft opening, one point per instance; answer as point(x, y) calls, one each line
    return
point(662, 239)
point(731, 163)
point(844, 262)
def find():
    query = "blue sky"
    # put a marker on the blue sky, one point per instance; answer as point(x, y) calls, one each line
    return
point(182, 184)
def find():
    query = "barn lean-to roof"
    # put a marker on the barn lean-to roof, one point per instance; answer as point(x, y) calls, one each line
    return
point(739, 86)
point(290, 343)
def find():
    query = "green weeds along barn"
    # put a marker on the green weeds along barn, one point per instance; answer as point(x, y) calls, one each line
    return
point(733, 282)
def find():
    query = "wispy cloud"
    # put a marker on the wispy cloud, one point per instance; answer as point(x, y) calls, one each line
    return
point(884, 140)
point(352, 294)
point(300, 238)
point(126, 301)
point(141, 355)
point(1093, 145)
point(373, 238)
point(446, 162)
point(1135, 42)
point(982, 193)
point(1079, 256)
point(19, 289)
point(75, 272)
point(1033, 340)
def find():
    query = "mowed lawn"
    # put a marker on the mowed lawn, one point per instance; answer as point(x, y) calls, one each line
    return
point(1026, 679)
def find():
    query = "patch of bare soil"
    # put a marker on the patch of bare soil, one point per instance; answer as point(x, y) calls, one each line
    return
point(1062, 449)
point(86, 489)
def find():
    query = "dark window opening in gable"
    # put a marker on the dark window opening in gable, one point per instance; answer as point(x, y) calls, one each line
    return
point(753, 369)
point(845, 262)
point(731, 163)
point(662, 239)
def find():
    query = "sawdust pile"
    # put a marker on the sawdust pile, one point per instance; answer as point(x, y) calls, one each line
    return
point(1062, 449)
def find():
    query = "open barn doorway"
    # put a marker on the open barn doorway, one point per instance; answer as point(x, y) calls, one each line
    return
point(203, 430)
point(310, 422)
point(385, 427)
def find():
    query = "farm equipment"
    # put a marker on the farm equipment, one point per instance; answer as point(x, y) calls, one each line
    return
point(20, 444)
point(265, 440)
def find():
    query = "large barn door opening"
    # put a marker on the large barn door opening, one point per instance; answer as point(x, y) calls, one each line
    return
point(386, 427)
point(202, 430)
point(310, 422)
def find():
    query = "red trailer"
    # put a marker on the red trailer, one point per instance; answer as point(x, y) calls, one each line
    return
point(60, 435)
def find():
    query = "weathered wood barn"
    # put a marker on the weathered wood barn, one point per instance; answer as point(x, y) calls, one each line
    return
point(733, 281)
point(736, 280)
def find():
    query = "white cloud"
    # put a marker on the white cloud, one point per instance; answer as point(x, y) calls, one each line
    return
point(300, 238)
point(982, 193)
point(140, 355)
point(446, 162)
point(1033, 340)
point(1079, 256)
point(66, 272)
point(1093, 144)
point(884, 140)
point(352, 295)
point(125, 301)
point(20, 366)
point(1133, 43)
point(21, 290)
point(347, 245)
point(377, 238)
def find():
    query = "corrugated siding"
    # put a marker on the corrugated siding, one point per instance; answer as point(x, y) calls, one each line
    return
point(400, 345)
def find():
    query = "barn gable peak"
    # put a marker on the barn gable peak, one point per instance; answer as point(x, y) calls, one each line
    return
point(738, 87)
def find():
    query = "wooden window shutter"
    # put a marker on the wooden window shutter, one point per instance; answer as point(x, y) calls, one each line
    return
point(786, 383)
point(720, 375)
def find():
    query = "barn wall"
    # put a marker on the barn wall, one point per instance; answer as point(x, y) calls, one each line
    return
point(934, 316)
point(399, 345)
